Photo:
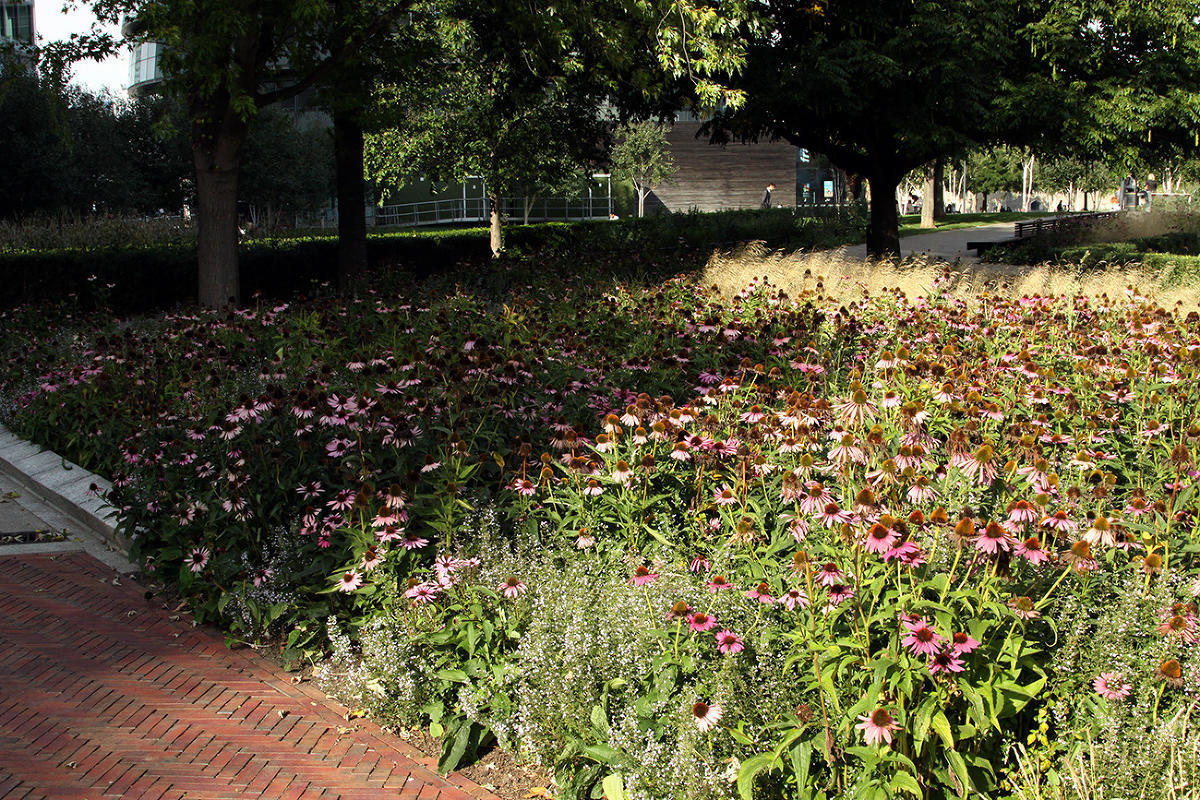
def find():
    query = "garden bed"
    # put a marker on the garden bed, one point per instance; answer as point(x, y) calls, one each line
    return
point(669, 543)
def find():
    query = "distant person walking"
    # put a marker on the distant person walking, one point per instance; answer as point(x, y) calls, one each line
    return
point(1151, 188)
point(1129, 189)
point(766, 201)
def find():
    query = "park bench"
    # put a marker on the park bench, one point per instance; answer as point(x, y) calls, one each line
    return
point(1026, 229)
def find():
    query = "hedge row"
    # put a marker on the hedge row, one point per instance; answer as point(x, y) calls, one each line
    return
point(141, 278)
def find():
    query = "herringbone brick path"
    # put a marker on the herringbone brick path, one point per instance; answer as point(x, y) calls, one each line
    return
point(102, 695)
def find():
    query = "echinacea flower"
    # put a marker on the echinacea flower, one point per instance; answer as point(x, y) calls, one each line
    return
point(642, 575)
point(793, 599)
point(1170, 673)
point(679, 611)
point(761, 593)
point(511, 587)
point(877, 726)
point(962, 643)
point(1181, 626)
point(349, 581)
point(717, 583)
point(198, 558)
point(699, 564)
point(1031, 550)
point(701, 622)
point(880, 539)
point(1111, 686)
point(423, 592)
point(729, 642)
point(706, 715)
point(921, 639)
point(993, 539)
point(725, 496)
point(1023, 607)
point(946, 661)
point(829, 574)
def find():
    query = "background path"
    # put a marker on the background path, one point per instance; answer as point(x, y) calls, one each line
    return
point(949, 245)
point(103, 694)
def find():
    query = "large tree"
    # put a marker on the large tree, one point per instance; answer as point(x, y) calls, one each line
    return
point(643, 157)
point(880, 87)
point(227, 59)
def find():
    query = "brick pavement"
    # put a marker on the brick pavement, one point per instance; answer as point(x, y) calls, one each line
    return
point(102, 695)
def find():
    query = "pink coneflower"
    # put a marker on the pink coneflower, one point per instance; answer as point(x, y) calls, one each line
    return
point(793, 599)
point(908, 553)
point(349, 581)
point(838, 594)
point(593, 488)
point(729, 642)
point(1031, 550)
point(993, 539)
point(829, 574)
point(1111, 686)
point(921, 639)
point(815, 498)
point(198, 558)
point(1079, 556)
point(945, 661)
point(523, 487)
point(679, 611)
point(642, 575)
point(706, 715)
point(1023, 607)
point(831, 516)
point(880, 539)
point(511, 587)
point(423, 592)
point(717, 583)
point(622, 472)
point(962, 643)
point(761, 593)
point(725, 496)
point(980, 466)
point(857, 410)
point(1101, 533)
point(1181, 626)
point(372, 557)
point(700, 622)
point(699, 564)
point(413, 542)
point(846, 452)
point(753, 415)
point(877, 726)
point(921, 491)
point(680, 452)
point(1059, 521)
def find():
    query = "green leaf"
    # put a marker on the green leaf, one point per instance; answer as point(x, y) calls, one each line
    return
point(749, 771)
point(903, 782)
point(614, 786)
point(452, 675)
point(960, 771)
point(941, 726)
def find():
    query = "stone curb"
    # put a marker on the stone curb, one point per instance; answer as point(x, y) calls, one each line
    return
point(66, 488)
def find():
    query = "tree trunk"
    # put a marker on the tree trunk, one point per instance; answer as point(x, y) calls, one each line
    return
point(641, 193)
point(527, 207)
point(351, 196)
point(983, 205)
point(217, 226)
point(883, 231)
point(496, 234)
point(933, 204)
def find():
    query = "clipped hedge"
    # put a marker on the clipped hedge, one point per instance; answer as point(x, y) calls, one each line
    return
point(146, 277)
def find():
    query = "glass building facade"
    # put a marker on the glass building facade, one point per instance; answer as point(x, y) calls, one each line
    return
point(16, 22)
point(145, 67)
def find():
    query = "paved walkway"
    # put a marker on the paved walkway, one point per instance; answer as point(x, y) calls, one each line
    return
point(948, 245)
point(103, 694)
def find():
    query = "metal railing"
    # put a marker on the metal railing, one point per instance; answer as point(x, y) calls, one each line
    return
point(475, 209)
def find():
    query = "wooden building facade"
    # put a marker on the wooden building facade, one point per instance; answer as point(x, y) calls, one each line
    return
point(715, 178)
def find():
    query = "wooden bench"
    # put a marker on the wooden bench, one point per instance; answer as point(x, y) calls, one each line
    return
point(1029, 228)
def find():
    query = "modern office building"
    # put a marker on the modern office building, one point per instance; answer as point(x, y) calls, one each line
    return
point(16, 24)
point(717, 178)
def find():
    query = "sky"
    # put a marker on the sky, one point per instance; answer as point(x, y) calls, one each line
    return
point(52, 25)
